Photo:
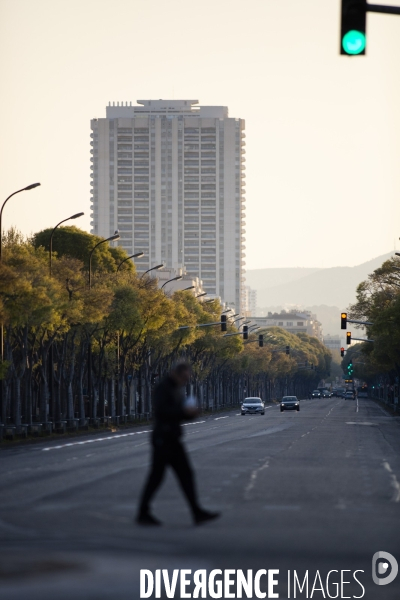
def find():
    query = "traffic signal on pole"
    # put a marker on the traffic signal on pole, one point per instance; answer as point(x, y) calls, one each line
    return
point(223, 322)
point(348, 337)
point(245, 332)
point(261, 340)
point(343, 321)
point(353, 27)
point(287, 349)
point(341, 351)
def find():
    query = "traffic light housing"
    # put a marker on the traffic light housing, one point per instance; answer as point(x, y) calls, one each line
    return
point(353, 27)
point(343, 321)
point(350, 369)
point(223, 322)
point(287, 349)
point(261, 340)
point(245, 332)
point(341, 351)
point(348, 338)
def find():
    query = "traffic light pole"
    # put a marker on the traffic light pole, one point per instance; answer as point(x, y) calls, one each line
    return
point(201, 325)
point(362, 340)
point(359, 322)
point(380, 8)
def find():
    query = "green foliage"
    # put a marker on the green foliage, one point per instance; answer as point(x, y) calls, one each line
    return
point(378, 301)
point(75, 243)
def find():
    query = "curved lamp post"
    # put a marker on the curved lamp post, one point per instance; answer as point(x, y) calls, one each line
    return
point(191, 287)
point(52, 233)
point(239, 319)
point(200, 295)
point(28, 187)
point(173, 279)
point(157, 268)
point(137, 255)
point(25, 189)
point(114, 237)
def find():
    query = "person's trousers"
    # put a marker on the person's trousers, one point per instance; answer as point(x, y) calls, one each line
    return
point(169, 453)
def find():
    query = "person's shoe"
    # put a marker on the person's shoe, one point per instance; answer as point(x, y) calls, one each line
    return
point(148, 520)
point(205, 515)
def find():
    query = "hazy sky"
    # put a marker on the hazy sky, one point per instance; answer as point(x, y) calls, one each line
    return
point(323, 130)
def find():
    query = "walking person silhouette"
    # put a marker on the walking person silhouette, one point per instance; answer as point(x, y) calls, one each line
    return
point(169, 412)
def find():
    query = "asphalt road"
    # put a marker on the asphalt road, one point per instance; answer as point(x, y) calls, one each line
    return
point(317, 490)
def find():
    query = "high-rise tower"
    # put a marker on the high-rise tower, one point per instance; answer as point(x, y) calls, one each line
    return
point(170, 176)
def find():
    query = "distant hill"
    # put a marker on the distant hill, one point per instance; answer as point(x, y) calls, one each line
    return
point(267, 278)
point(310, 287)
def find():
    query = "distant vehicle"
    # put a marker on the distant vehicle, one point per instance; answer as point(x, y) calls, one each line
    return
point(340, 392)
point(349, 395)
point(324, 393)
point(362, 392)
point(316, 394)
point(290, 403)
point(253, 406)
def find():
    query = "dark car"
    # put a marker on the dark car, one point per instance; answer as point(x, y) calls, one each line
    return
point(316, 394)
point(290, 403)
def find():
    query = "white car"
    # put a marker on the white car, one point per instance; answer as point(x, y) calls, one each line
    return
point(253, 406)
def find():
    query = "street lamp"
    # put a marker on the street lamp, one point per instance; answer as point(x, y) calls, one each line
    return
point(152, 269)
point(51, 236)
point(226, 311)
point(173, 279)
point(114, 237)
point(191, 287)
point(200, 295)
point(137, 255)
point(28, 187)
point(239, 319)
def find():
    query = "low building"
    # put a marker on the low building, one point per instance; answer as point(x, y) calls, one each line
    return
point(333, 342)
point(294, 322)
point(165, 276)
point(249, 301)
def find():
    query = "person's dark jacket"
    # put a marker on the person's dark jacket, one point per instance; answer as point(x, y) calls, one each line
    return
point(168, 408)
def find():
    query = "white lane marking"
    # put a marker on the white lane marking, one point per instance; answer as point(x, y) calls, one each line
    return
point(359, 423)
point(357, 405)
point(218, 418)
point(253, 478)
point(110, 437)
point(394, 483)
point(281, 507)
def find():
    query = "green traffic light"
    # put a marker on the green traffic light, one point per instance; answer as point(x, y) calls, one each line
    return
point(354, 42)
